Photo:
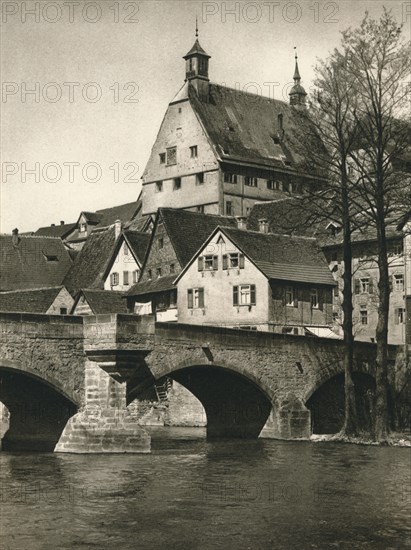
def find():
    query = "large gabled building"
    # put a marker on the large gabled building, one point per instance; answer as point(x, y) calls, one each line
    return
point(219, 150)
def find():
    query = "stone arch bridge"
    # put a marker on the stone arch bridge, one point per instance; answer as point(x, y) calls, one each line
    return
point(68, 381)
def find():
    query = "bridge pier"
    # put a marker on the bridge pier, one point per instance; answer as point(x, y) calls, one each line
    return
point(289, 419)
point(103, 425)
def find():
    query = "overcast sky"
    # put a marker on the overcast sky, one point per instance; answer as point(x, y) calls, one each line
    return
point(124, 60)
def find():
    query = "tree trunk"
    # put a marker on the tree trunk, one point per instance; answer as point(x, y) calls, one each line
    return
point(350, 427)
point(381, 419)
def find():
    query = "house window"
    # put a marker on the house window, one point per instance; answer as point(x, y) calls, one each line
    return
point(63, 311)
point(195, 298)
point(399, 282)
point(158, 272)
point(314, 298)
point(149, 274)
point(230, 178)
point(208, 263)
point(270, 184)
point(200, 209)
point(125, 249)
point(399, 315)
point(135, 276)
point(365, 285)
point(162, 158)
point(125, 278)
point(176, 184)
point(200, 178)
point(248, 210)
point(114, 279)
point(291, 297)
point(229, 208)
point(364, 316)
point(398, 249)
point(83, 227)
point(173, 298)
point(234, 260)
point(161, 242)
point(159, 186)
point(172, 269)
point(51, 258)
point(244, 295)
point(251, 182)
point(193, 151)
point(172, 155)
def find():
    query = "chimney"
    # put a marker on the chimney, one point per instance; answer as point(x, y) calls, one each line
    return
point(241, 222)
point(53, 225)
point(15, 237)
point(263, 225)
point(117, 228)
point(62, 222)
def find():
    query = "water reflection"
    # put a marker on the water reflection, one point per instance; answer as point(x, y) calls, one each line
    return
point(190, 493)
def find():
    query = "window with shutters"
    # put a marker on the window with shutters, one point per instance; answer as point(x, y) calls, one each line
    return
point(314, 298)
point(399, 282)
point(114, 279)
point(125, 278)
point(363, 286)
point(234, 260)
point(399, 315)
point(172, 155)
point(195, 298)
point(208, 263)
point(364, 316)
point(244, 295)
point(291, 299)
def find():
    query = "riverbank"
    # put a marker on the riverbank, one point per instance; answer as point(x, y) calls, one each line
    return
point(395, 439)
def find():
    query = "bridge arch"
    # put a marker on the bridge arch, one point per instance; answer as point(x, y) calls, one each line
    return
point(39, 407)
point(326, 402)
point(237, 404)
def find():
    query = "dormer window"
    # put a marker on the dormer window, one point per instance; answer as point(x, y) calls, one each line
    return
point(83, 228)
point(51, 258)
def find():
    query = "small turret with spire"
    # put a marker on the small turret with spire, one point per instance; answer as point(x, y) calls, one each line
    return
point(197, 68)
point(297, 93)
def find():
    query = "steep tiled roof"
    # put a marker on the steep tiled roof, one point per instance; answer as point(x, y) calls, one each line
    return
point(288, 215)
point(155, 285)
point(36, 300)
point(90, 264)
point(188, 230)
point(283, 257)
point(92, 217)
point(124, 212)
point(104, 301)
point(138, 242)
point(60, 230)
point(25, 264)
point(244, 127)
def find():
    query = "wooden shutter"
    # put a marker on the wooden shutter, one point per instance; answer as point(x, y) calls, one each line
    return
point(241, 261)
point(215, 263)
point(235, 295)
point(190, 298)
point(253, 295)
point(201, 297)
point(200, 263)
point(225, 261)
point(356, 286)
point(370, 286)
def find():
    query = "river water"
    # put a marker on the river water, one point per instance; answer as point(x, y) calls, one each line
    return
point(193, 494)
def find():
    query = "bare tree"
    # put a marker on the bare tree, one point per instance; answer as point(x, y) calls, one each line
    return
point(378, 63)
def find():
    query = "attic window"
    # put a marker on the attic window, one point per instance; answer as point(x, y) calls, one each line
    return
point(172, 155)
point(51, 258)
point(276, 140)
point(193, 151)
point(83, 227)
point(162, 158)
